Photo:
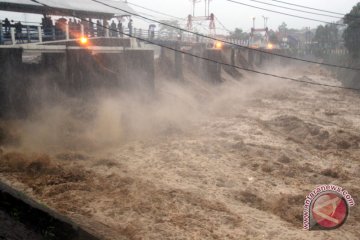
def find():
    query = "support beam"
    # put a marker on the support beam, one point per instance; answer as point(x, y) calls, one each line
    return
point(1, 33)
point(40, 34)
point(12, 32)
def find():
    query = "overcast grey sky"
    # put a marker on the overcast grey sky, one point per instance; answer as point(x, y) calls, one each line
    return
point(231, 14)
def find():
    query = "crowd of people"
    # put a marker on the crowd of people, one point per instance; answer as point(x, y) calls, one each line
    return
point(6, 24)
point(91, 28)
point(56, 29)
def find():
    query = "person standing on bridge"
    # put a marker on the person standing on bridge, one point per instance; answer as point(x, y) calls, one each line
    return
point(151, 32)
point(99, 29)
point(18, 29)
point(120, 28)
point(130, 26)
point(1, 33)
point(7, 25)
point(113, 29)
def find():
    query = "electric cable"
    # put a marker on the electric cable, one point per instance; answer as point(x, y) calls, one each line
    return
point(294, 9)
point(287, 14)
point(215, 61)
point(233, 44)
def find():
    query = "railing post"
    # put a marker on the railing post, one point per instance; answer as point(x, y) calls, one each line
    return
point(82, 29)
point(67, 31)
point(28, 34)
point(12, 32)
point(40, 33)
point(53, 32)
point(1, 33)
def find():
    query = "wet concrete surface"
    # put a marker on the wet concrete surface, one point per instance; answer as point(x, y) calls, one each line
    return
point(10, 229)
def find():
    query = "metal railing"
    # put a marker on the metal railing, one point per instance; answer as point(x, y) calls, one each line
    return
point(22, 34)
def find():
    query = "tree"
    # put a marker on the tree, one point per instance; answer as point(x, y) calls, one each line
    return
point(326, 37)
point(167, 29)
point(283, 29)
point(352, 32)
point(239, 34)
point(273, 38)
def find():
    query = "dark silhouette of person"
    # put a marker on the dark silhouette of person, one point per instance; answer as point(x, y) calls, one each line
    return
point(113, 29)
point(120, 28)
point(7, 25)
point(99, 29)
point(47, 25)
point(60, 28)
point(151, 32)
point(130, 26)
point(18, 30)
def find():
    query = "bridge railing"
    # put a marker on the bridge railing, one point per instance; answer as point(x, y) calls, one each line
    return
point(30, 33)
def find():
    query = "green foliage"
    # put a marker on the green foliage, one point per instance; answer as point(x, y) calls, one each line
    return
point(239, 34)
point(325, 38)
point(352, 32)
point(283, 28)
point(273, 38)
point(167, 29)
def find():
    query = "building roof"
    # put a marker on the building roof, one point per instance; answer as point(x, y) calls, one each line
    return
point(80, 8)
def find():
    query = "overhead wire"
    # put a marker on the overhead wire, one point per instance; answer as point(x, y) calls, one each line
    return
point(320, 10)
point(155, 11)
point(312, 8)
point(233, 44)
point(283, 13)
point(214, 61)
point(294, 9)
point(227, 64)
point(172, 16)
point(222, 25)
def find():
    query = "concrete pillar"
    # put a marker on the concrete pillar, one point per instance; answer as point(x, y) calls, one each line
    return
point(178, 63)
point(53, 33)
point(212, 70)
point(40, 33)
point(232, 56)
point(12, 32)
point(251, 56)
point(260, 57)
point(140, 70)
point(1, 33)
point(106, 28)
point(13, 82)
point(28, 34)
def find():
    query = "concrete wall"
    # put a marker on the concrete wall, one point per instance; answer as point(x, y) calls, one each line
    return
point(104, 42)
point(13, 80)
point(75, 72)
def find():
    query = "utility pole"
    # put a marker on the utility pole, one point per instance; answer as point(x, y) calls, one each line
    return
point(194, 2)
point(265, 21)
point(207, 7)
